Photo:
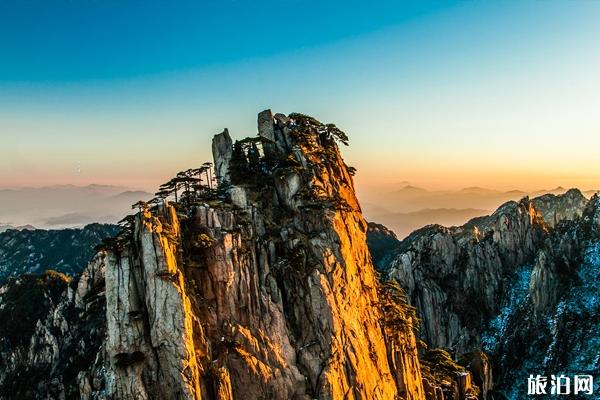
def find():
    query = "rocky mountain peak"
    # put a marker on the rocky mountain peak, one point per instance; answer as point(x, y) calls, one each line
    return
point(253, 280)
point(259, 287)
point(591, 214)
point(555, 208)
point(268, 292)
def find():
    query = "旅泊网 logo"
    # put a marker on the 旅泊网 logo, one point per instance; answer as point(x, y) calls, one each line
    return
point(560, 385)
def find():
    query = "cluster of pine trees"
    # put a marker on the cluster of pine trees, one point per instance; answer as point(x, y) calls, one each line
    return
point(247, 166)
point(188, 187)
point(185, 189)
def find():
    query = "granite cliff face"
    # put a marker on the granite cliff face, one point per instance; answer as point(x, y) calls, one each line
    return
point(262, 288)
point(509, 284)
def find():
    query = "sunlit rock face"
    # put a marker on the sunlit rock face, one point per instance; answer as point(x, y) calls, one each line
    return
point(268, 293)
point(556, 208)
point(511, 284)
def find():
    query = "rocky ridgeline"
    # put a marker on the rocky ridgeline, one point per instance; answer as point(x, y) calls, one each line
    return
point(510, 284)
point(263, 290)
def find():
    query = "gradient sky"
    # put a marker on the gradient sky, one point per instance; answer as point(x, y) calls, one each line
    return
point(502, 94)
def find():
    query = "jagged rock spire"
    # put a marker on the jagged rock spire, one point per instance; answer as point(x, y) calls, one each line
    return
point(222, 147)
point(266, 130)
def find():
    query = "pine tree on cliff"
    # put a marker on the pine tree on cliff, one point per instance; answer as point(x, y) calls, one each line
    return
point(253, 159)
point(207, 168)
point(168, 188)
point(238, 166)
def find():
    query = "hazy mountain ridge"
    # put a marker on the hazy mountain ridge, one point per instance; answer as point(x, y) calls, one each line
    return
point(65, 206)
point(411, 207)
point(5, 227)
point(403, 210)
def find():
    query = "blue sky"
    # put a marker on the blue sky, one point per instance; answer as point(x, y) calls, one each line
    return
point(74, 41)
point(443, 94)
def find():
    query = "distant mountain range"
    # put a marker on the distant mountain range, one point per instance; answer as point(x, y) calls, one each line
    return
point(5, 227)
point(403, 210)
point(412, 198)
point(410, 207)
point(404, 223)
point(64, 206)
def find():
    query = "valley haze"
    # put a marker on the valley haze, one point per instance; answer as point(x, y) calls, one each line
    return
point(402, 208)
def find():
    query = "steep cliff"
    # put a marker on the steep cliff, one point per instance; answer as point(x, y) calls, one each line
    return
point(494, 284)
point(267, 293)
point(259, 288)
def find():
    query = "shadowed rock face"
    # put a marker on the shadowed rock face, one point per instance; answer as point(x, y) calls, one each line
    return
point(454, 276)
point(52, 333)
point(222, 147)
point(267, 292)
point(382, 242)
point(495, 282)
